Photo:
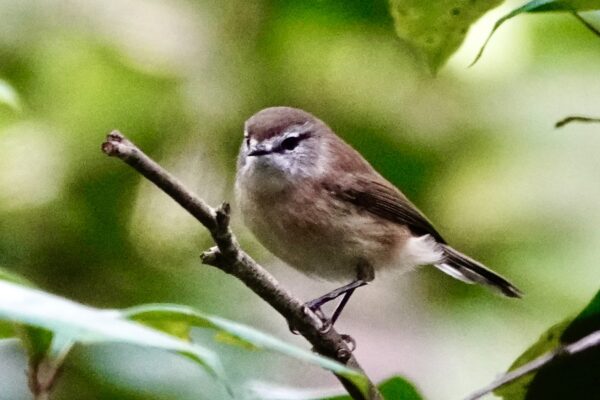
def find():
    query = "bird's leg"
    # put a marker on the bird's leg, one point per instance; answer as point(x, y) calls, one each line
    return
point(346, 290)
point(365, 274)
point(340, 307)
point(315, 305)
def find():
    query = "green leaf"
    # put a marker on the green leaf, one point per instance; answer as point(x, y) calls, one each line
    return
point(578, 373)
point(547, 342)
point(9, 96)
point(399, 388)
point(84, 324)
point(37, 342)
point(586, 322)
point(238, 334)
point(7, 330)
point(436, 29)
point(395, 388)
point(538, 6)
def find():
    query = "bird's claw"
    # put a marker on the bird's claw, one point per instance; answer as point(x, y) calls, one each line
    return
point(350, 342)
point(326, 324)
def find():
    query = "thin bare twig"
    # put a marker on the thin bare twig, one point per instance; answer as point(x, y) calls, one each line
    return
point(41, 378)
point(230, 258)
point(575, 118)
point(45, 364)
point(586, 342)
point(43, 374)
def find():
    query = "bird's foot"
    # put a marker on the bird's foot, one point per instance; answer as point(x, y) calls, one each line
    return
point(315, 308)
point(350, 342)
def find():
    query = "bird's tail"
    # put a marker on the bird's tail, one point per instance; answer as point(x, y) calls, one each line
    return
point(468, 270)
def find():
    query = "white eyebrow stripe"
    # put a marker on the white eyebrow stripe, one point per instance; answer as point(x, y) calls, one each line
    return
point(298, 129)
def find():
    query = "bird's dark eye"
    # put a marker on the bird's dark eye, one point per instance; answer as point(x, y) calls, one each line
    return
point(290, 143)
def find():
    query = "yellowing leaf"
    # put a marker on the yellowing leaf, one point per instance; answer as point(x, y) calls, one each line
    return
point(436, 29)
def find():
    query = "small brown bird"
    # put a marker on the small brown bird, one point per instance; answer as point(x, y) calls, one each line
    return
point(318, 205)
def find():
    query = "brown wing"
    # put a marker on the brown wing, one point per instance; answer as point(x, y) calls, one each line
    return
point(380, 199)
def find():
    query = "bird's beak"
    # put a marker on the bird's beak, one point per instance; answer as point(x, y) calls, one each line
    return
point(259, 150)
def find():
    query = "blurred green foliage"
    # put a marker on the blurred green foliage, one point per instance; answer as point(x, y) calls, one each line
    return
point(473, 148)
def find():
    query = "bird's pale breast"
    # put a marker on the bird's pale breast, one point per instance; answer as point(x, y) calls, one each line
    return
point(318, 234)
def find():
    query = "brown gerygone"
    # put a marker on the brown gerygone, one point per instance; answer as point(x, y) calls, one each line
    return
point(318, 205)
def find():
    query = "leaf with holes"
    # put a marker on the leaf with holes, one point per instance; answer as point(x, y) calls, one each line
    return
point(436, 29)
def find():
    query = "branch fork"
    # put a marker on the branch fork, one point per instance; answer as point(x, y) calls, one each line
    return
point(229, 257)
